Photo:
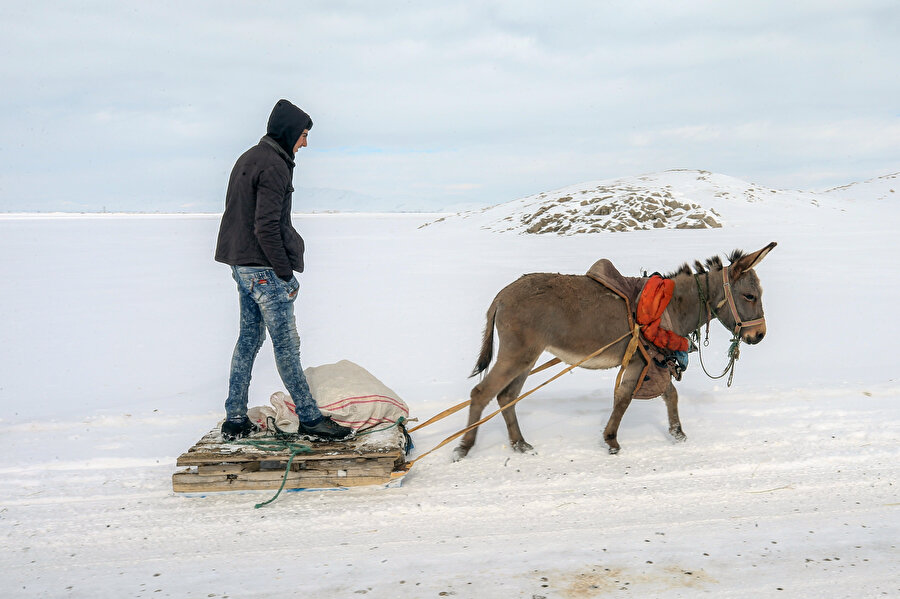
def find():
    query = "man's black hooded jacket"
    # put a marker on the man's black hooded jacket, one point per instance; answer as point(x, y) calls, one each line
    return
point(256, 227)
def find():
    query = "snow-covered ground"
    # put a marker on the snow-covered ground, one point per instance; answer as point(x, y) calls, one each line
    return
point(115, 347)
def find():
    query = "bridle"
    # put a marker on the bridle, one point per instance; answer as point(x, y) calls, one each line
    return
point(729, 297)
point(733, 350)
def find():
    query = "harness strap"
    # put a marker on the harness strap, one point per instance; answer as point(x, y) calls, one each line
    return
point(629, 353)
point(729, 296)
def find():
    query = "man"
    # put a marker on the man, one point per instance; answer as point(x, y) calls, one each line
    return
point(257, 239)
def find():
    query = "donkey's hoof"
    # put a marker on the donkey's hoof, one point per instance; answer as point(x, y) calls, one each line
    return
point(678, 434)
point(522, 447)
point(460, 452)
point(613, 444)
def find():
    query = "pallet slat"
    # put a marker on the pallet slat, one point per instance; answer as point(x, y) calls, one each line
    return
point(182, 486)
point(197, 458)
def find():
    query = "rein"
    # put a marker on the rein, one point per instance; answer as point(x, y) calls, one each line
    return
point(734, 351)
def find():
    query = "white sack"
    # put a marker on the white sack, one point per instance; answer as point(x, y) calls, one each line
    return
point(354, 397)
point(346, 392)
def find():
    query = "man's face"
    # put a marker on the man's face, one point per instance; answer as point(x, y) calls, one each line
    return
point(301, 142)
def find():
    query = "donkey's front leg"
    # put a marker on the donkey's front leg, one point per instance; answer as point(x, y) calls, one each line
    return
point(671, 397)
point(621, 401)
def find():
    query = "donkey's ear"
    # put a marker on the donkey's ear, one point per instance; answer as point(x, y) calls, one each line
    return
point(745, 263)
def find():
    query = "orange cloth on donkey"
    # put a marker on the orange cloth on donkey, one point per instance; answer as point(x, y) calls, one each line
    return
point(653, 301)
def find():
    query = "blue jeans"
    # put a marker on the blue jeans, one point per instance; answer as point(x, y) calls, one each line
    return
point(267, 302)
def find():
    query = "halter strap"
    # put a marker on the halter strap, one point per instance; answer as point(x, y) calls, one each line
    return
point(729, 297)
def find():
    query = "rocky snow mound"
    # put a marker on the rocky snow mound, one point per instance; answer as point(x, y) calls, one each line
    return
point(674, 199)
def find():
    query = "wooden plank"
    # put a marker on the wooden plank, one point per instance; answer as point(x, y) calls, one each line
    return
point(344, 464)
point(197, 458)
point(229, 468)
point(315, 448)
point(236, 471)
point(314, 452)
point(191, 483)
point(267, 475)
point(323, 466)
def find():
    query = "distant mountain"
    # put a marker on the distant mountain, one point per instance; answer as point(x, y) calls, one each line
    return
point(673, 199)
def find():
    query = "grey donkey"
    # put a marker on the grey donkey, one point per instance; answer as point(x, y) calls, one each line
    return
point(571, 316)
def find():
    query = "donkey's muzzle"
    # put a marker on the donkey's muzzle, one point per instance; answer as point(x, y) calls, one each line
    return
point(754, 337)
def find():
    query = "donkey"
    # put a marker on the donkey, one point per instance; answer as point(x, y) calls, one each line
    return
point(571, 316)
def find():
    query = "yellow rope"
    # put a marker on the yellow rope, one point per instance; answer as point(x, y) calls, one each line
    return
point(458, 407)
point(629, 353)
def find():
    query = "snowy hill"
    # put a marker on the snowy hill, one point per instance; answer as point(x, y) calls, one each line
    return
point(673, 199)
point(884, 188)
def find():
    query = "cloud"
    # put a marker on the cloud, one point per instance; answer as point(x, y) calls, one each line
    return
point(149, 104)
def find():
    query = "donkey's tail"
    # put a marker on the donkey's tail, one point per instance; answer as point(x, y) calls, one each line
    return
point(487, 342)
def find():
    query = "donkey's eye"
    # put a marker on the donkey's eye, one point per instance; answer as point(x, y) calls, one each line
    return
point(749, 297)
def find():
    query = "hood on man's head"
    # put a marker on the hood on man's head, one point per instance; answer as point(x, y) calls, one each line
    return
point(286, 123)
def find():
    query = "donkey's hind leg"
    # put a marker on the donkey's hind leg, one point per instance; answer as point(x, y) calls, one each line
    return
point(504, 372)
point(671, 398)
point(517, 442)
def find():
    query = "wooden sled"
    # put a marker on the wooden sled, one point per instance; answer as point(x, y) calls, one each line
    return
point(213, 465)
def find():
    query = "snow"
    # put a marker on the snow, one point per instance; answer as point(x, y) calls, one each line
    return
point(114, 360)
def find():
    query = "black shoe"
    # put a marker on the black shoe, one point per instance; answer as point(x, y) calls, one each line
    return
point(232, 429)
point(327, 429)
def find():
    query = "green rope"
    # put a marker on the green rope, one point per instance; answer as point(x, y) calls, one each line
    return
point(282, 442)
point(399, 422)
point(277, 445)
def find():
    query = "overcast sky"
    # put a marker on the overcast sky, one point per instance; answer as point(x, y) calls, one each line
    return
point(435, 105)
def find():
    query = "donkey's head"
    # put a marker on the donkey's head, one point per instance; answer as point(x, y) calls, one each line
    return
point(740, 307)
